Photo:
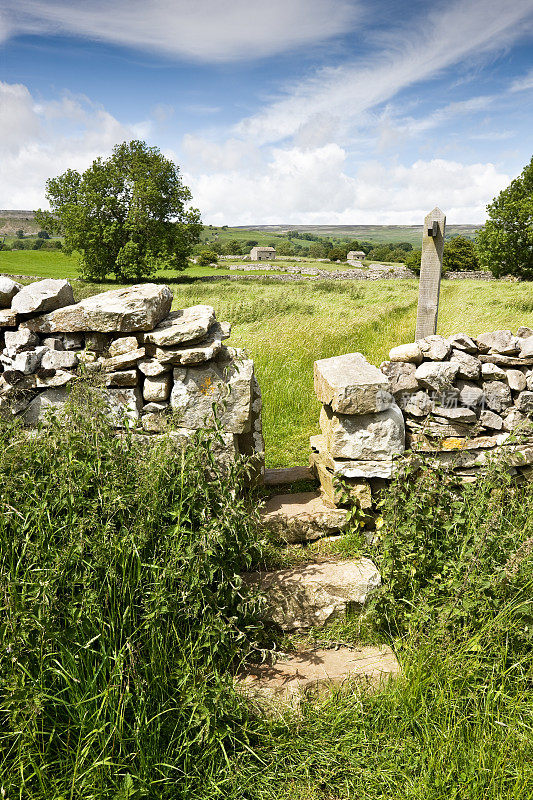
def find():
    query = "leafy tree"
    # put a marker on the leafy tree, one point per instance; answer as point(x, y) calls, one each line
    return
point(284, 249)
point(20, 234)
point(317, 250)
point(207, 257)
point(505, 243)
point(127, 215)
point(18, 244)
point(232, 248)
point(412, 260)
point(337, 254)
point(43, 235)
point(251, 243)
point(459, 254)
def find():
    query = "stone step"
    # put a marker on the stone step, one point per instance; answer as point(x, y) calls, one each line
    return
point(287, 475)
point(315, 594)
point(312, 673)
point(302, 517)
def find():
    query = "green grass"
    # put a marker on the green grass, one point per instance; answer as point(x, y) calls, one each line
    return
point(287, 326)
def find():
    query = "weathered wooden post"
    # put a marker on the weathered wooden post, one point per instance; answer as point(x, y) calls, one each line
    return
point(430, 272)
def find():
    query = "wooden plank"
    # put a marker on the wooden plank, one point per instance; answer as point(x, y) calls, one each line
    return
point(430, 273)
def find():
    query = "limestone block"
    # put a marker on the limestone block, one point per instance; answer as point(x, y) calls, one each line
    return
point(502, 342)
point(410, 353)
point(49, 379)
point(8, 318)
point(348, 468)
point(125, 344)
point(48, 402)
point(356, 489)
point(507, 361)
point(197, 389)
point(302, 517)
point(401, 377)
point(497, 395)
point(53, 343)
point(492, 372)
point(434, 347)
point(157, 389)
point(350, 385)
point(151, 367)
point(135, 308)
point(524, 333)
point(155, 408)
point(491, 420)
point(366, 437)
point(513, 418)
point(58, 359)
point(460, 341)
point(186, 325)
point(124, 361)
point(27, 362)
point(199, 353)
point(418, 404)
point(469, 367)
point(18, 341)
point(154, 422)
point(42, 296)
point(437, 376)
point(313, 595)
point(526, 347)
point(524, 403)
point(8, 289)
point(124, 405)
point(516, 380)
point(281, 687)
point(470, 394)
point(73, 341)
point(455, 413)
point(128, 378)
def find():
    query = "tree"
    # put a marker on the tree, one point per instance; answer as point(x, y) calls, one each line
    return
point(459, 254)
point(43, 235)
point(127, 215)
point(207, 257)
point(284, 248)
point(413, 259)
point(505, 243)
point(20, 234)
point(337, 254)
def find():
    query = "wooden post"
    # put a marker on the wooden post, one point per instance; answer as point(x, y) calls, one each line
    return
point(430, 272)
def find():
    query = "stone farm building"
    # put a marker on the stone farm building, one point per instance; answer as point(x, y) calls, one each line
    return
point(262, 254)
point(355, 255)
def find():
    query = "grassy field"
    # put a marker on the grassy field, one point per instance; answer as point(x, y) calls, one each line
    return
point(286, 327)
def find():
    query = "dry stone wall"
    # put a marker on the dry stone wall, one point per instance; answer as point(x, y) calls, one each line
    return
point(156, 368)
point(458, 400)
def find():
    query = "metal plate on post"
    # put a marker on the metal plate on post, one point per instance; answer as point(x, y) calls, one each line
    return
point(430, 273)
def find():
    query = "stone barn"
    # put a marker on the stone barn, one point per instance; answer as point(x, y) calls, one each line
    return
point(355, 255)
point(262, 254)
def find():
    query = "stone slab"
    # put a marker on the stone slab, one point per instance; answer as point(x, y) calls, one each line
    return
point(348, 468)
point(369, 437)
point(287, 475)
point(135, 308)
point(350, 385)
point(313, 673)
point(315, 594)
point(43, 296)
point(185, 325)
point(302, 517)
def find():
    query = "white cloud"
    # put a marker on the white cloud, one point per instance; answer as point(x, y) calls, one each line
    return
point(208, 30)
point(42, 140)
point(313, 186)
point(523, 83)
point(403, 58)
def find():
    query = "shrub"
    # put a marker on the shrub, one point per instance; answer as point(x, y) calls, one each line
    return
point(207, 257)
point(459, 254)
point(121, 608)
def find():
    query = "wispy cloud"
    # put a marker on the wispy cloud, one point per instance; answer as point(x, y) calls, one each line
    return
point(206, 30)
point(445, 37)
point(523, 83)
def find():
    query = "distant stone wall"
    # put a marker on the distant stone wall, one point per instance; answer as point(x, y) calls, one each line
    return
point(457, 400)
point(155, 368)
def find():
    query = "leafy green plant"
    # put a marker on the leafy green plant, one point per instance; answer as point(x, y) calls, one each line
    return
point(122, 612)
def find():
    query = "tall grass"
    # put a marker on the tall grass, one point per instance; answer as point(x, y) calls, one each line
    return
point(121, 609)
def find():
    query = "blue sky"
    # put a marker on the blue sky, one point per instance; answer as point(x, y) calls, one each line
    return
point(291, 111)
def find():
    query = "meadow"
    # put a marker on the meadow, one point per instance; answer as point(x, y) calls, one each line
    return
point(123, 615)
point(286, 327)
